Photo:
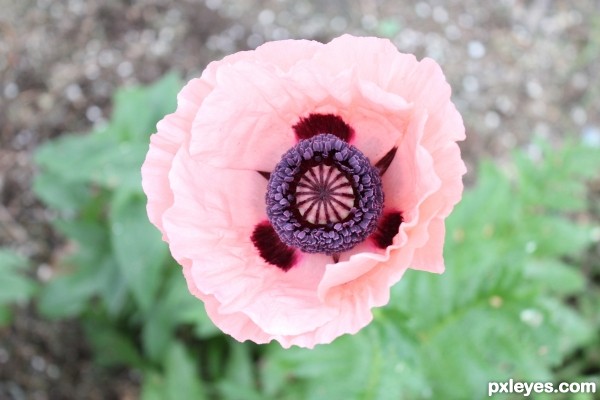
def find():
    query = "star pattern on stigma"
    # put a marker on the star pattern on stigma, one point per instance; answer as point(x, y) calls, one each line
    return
point(324, 196)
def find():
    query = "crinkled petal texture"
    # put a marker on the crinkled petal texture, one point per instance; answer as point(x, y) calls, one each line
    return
point(206, 197)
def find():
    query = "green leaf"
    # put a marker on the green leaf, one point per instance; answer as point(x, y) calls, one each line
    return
point(112, 347)
point(152, 387)
point(60, 194)
point(119, 167)
point(11, 261)
point(99, 158)
point(92, 241)
point(138, 247)
point(379, 363)
point(557, 181)
point(112, 287)
point(239, 380)
point(15, 286)
point(176, 306)
point(182, 379)
point(554, 236)
point(6, 315)
point(68, 295)
point(87, 272)
point(185, 308)
point(556, 277)
point(137, 109)
point(84, 153)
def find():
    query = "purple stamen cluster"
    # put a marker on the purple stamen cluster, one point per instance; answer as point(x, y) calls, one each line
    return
point(324, 196)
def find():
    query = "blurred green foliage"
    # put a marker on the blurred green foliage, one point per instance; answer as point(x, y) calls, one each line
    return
point(517, 299)
point(16, 287)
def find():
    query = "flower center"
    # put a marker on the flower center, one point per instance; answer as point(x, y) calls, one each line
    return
point(324, 196)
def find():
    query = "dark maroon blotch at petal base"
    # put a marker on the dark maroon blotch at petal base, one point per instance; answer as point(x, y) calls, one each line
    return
point(383, 164)
point(387, 228)
point(265, 174)
point(271, 248)
point(316, 124)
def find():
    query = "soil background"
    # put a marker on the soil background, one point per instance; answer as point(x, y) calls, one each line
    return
point(518, 69)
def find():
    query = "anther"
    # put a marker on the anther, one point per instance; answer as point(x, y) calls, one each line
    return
point(324, 196)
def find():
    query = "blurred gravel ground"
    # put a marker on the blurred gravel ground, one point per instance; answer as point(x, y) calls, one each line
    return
point(519, 69)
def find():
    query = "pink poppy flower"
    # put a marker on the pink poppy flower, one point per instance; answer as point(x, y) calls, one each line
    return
point(296, 183)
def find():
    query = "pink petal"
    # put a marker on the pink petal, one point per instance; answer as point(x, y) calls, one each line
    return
point(254, 107)
point(281, 55)
point(209, 202)
point(250, 112)
point(173, 130)
point(430, 258)
point(375, 60)
point(365, 279)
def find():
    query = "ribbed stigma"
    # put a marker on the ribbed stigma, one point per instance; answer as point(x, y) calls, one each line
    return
point(324, 195)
